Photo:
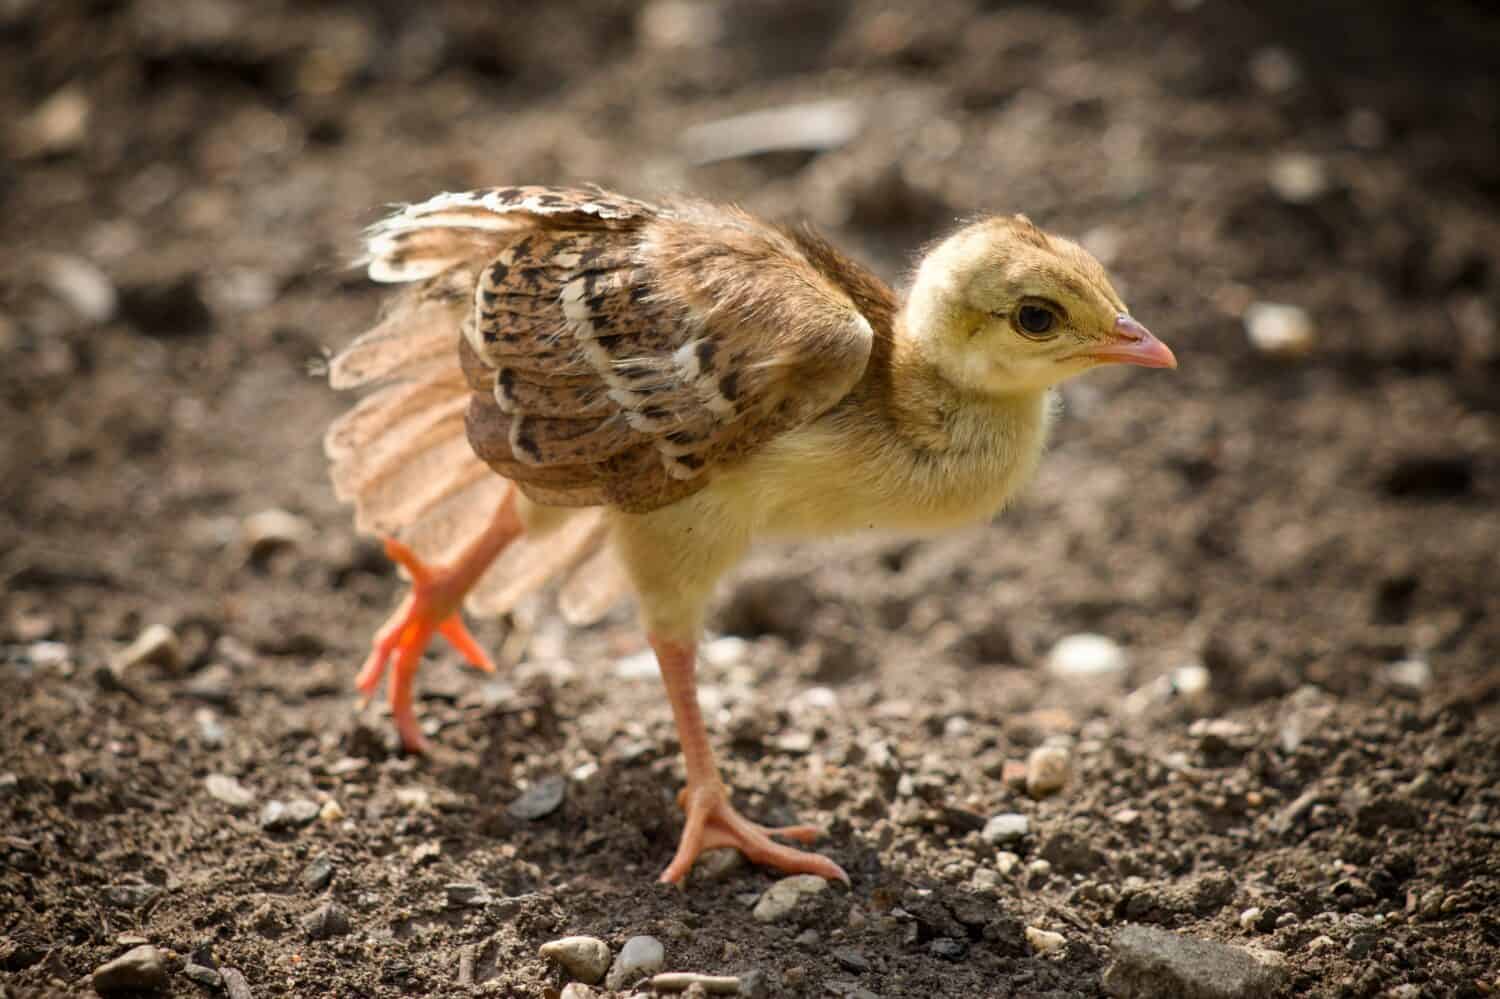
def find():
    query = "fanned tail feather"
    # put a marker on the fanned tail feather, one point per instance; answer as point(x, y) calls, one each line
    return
point(400, 454)
point(534, 560)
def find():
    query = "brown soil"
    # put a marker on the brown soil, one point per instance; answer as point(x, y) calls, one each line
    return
point(1285, 524)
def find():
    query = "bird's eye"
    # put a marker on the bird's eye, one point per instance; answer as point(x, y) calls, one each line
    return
point(1035, 320)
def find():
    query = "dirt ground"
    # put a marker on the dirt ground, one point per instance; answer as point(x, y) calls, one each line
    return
point(1317, 536)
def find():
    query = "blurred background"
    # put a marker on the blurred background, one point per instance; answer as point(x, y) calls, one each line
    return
point(1301, 199)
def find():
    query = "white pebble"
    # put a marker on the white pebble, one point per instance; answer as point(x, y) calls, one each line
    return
point(1007, 827)
point(1411, 675)
point(229, 791)
point(641, 957)
point(1190, 680)
point(1044, 941)
point(269, 530)
point(1007, 862)
point(157, 645)
point(726, 651)
point(786, 895)
point(639, 666)
point(1279, 330)
point(1086, 655)
point(585, 958)
point(1250, 918)
point(1298, 178)
point(87, 289)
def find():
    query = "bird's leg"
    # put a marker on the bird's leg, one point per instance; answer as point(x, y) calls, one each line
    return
point(711, 820)
point(433, 607)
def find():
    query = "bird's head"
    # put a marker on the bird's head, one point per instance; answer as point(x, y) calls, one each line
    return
point(1001, 307)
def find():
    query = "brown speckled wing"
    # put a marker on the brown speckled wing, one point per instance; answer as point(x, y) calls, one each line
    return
point(630, 352)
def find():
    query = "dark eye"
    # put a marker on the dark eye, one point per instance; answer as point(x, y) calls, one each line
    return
point(1035, 320)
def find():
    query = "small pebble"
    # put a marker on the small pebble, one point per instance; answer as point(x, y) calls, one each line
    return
point(1007, 862)
point(234, 984)
point(280, 815)
point(851, 959)
point(86, 289)
point(577, 990)
point(272, 530)
point(318, 874)
point(1038, 871)
point(414, 799)
point(717, 864)
point(210, 729)
point(1007, 827)
point(467, 894)
point(641, 957)
point(1298, 178)
point(229, 791)
point(1085, 656)
point(638, 666)
point(1044, 941)
point(808, 938)
point(156, 646)
point(1277, 330)
point(1409, 676)
point(755, 984)
point(1250, 918)
point(327, 920)
point(1126, 817)
point(138, 969)
point(331, 812)
point(1047, 770)
point(203, 975)
point(539, 800)
point(785, 896)
point(60, 124)
point(948, 949)
point(1274, 70)
point(585, 958)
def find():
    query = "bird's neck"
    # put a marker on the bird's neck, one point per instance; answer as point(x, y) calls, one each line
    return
point(918, 399)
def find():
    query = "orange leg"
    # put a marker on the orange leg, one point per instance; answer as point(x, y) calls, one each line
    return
point(432, 607)
point(711, 820)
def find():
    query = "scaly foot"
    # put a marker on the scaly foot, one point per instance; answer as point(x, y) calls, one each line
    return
point(712, 822)
point(432, 607)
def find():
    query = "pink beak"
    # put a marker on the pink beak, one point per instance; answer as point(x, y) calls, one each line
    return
point(1132, 343)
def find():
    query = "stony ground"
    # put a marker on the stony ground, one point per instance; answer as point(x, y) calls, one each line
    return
point(1278, 764)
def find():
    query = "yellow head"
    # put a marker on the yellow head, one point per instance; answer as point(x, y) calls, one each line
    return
point(1001, 307)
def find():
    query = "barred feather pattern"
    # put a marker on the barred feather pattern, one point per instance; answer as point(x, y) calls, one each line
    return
point(400, 453)
point(629, 352)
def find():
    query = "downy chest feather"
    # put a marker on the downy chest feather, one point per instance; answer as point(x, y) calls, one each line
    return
point(836, 476)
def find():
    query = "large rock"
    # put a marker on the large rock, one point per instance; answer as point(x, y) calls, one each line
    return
point(1156, 964)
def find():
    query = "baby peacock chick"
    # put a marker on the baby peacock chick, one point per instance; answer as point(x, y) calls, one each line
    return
point(659, 386)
